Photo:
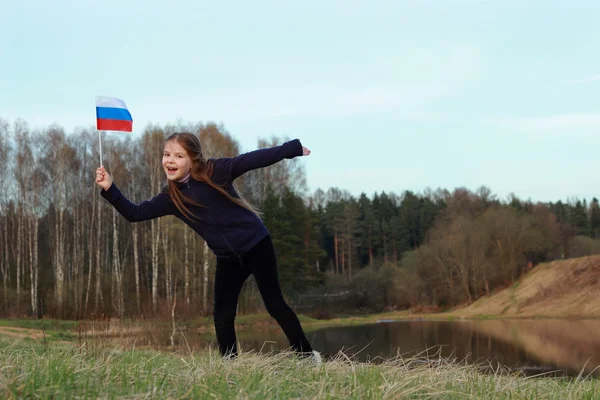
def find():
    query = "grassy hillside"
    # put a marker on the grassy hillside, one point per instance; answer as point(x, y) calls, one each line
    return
point(566, 288)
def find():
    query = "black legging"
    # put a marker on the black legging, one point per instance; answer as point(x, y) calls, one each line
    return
point(231, 275)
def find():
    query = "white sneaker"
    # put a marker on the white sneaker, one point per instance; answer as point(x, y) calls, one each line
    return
point(316, 358)
point(312, 359)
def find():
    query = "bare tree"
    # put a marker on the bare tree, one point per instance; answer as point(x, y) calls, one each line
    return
point(58, 161)
point(136, 265)
point(514, 236)
point(82, 212)
point(23, 177)
point(152, 146)
point(5, 150)
point(166, 242)
point(186, 267)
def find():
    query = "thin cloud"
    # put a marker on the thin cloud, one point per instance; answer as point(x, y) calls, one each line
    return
point(587, 79)
point(424, 78)
point(310, 100)
point(576, 124)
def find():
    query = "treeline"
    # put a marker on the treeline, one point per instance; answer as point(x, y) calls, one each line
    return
point(65, 252)
point(468, 244)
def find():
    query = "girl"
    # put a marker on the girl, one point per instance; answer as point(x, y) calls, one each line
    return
point(200, 192)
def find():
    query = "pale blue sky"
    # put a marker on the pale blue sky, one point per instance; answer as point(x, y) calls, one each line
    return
point(389, 95)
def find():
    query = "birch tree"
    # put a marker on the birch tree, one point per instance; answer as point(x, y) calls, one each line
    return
point(58, 158)
point(152, 147)
point(5, 151)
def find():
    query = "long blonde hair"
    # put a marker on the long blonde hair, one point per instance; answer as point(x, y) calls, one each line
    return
point(201, 171)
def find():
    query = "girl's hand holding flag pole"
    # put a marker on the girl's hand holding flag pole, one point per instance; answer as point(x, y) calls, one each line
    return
point(103, 179)
point(111, 115)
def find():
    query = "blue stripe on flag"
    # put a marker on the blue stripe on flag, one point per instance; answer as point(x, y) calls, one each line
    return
point(113, 113)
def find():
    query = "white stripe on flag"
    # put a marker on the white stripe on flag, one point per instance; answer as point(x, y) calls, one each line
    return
point(103, 101)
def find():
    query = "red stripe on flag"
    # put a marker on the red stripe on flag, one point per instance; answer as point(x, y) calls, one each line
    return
point(114, 125)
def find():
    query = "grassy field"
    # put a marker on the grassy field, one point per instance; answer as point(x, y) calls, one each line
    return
point(62, 370)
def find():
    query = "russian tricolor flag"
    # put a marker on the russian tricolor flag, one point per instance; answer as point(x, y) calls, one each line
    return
point(112, 115)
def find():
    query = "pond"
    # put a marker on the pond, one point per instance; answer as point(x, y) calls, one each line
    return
point(532, 346)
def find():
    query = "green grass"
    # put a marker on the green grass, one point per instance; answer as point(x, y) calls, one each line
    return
point(57, 370)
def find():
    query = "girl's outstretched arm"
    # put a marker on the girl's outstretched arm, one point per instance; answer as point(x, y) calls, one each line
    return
point(156, 207)
point(231, 168)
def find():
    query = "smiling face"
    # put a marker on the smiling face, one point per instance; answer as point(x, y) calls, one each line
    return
point(175, 161)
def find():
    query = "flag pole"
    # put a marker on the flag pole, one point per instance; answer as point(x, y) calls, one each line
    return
point(100, 141)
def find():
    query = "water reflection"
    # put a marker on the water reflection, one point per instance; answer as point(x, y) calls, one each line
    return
point(532, 346)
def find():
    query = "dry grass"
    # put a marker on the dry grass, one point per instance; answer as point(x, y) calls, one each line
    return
point(558, 289)
point(60, 371)
point(20, 333)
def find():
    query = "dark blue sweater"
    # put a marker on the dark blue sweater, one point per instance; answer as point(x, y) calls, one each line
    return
point(228, 229)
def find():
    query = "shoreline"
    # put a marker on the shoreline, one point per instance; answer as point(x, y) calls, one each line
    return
point(68, 329)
